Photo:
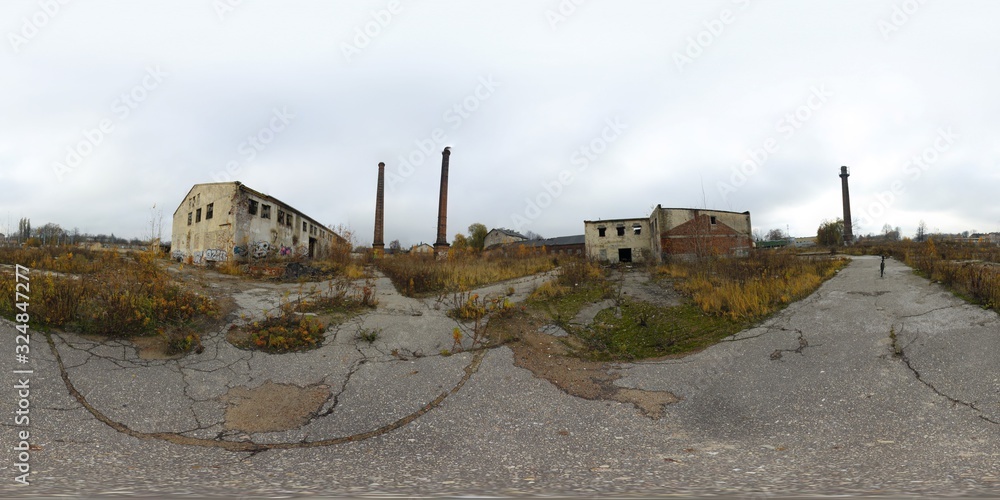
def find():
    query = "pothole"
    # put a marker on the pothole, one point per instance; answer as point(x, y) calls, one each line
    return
point(272, 407)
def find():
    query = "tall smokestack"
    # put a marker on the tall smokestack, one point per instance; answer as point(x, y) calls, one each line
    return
point(848, 231)
point(379, 244)
point(441, 245)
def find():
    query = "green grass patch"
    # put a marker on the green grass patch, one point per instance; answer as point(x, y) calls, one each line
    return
point(564, 306)
point(644, 330)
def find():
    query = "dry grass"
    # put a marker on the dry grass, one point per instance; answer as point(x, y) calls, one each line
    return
point(750, 288)
point(419, 276)
point(969, 270)
point(121, 295)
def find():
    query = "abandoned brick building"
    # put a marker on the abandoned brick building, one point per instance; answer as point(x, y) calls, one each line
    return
point(228, 220)
point(500, 236)
point(679, 232)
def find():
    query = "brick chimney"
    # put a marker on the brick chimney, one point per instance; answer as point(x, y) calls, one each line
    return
point(379, 244)
point(441, 245)
point(848, 230)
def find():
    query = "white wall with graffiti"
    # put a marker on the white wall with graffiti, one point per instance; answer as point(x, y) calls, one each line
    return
point(218, 222)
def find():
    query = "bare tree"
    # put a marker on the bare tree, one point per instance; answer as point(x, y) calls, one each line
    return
point(922, 231)
point(155, 226)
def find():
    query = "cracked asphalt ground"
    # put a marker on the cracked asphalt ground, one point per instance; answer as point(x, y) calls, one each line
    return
point(869, 386)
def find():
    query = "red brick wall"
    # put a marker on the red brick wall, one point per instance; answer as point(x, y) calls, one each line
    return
point(700, 236)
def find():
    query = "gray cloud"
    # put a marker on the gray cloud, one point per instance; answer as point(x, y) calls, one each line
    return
point(687, 130)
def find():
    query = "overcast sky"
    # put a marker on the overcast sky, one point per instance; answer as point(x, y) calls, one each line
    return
point(556, 112)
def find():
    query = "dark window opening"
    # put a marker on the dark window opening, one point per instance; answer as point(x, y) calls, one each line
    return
point(303, 225)
point(713, 220)
point(189, 218)
point(636, 230)
point(197, 215)
point(281, 217)
point(252, 210)
point(624, 255)
point(265, 211)
point(209, 211)
point(621, 230)
point(600, 231)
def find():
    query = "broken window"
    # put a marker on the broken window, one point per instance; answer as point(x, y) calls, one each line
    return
point(621, 230)
point(252, 210)
point(189, 218)
point(288, 220)
point(637, 230)
point(303, 225)
point(713, 220)
point(600, 231)
point(197, 215)
point(265, 211)
point(281, 217)
point(208, 210)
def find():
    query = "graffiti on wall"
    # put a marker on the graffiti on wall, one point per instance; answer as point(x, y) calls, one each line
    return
point(177, 255)
point(240, 251)
point(260, 249)
point(285, 251)
point(197, 257)
point(215, 254)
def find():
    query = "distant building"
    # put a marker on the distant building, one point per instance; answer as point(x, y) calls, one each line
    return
point(228, 220)
point(422, 249)
point(680, 232)
point(500, 236)
point(563, 245)
point(806, 241)
point(618, 240)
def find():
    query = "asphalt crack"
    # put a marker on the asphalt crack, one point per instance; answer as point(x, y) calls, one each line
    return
point(247, 444)
point(803, 345)
point(900, 353)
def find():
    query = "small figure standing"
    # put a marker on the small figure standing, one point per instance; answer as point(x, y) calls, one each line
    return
point(881, 268)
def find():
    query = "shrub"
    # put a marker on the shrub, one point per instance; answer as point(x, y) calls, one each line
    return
point(119, 295)
point(287, 332)
point(415, 275)
point(752, 287)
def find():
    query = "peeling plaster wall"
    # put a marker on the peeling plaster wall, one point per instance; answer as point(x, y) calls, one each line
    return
point(494, 238)
point(234, 233)
point(606, 248)
point(213, 235)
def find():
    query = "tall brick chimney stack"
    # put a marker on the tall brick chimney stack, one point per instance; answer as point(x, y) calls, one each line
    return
point(379, 244)
point(441, 245)
point(848, 231)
